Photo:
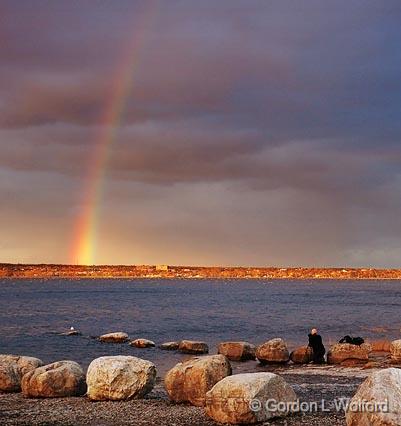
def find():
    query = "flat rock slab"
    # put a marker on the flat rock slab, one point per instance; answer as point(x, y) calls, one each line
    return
point(170, 346)
point(142, 343)
point(193, 347)
point(117, 337)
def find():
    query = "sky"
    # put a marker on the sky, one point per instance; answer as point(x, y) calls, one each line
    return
point(247, 132)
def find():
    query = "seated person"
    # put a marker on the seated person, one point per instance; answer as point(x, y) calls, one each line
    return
point(315, 342)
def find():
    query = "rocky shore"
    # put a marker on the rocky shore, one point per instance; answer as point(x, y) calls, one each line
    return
point(192, 272)
point(126, 390)
point(310, 384)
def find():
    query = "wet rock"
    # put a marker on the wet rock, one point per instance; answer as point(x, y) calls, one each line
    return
point(344, 351)
point(230, 400)
point(63, 378)
point(190, 380)
point(302, 355)
point(117, 337)
point(120, 378)
point(169, 346)
point(193, 347)
point(12, 368)
point(273, 351)
point(237, 351)
point(142, 343)
point(395, 351)
point(377, 401)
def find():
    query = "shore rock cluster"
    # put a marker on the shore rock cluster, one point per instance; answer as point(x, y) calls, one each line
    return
point(207, 380)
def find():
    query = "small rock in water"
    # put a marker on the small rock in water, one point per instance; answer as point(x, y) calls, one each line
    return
point(142, 343)
point(193, 347)
point(117, 337)
point(169, 346)
point(72, 332)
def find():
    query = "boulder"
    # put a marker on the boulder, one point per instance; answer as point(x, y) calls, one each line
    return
point(118, 337)
point(377, 401)
point(170, 346)
point(395, 350)
point(237, 351)
point(380, 345)
point(62, 378)
point(190, 380)
point(119, 378)
point(12, 368)
point(344, 351)
point(302, 355)
point(241, 399)
point(274, 351)
point(142, 343)
point(193, 347)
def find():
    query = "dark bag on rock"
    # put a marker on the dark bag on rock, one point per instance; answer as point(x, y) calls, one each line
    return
point(352, 340)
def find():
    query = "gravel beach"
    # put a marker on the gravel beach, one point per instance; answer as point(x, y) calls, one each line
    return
point(311, 383)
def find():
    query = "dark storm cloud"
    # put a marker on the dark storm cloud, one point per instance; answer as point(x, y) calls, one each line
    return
point(260, 96)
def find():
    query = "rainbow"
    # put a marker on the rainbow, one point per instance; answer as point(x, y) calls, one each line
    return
point(83, 250)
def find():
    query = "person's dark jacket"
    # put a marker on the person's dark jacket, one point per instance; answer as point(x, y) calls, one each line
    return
point(315, 342)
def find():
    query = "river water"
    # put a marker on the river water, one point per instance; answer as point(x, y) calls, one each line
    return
point(34, 312)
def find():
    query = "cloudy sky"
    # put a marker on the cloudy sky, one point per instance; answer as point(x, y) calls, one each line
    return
point(253, 132)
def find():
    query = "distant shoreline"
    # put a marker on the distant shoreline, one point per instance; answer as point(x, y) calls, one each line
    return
point(8, 270)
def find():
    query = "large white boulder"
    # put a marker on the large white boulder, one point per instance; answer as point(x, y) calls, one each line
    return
point(249, 398)
point(377, 401)
point(62, 378)
point(12, 368)
point(190, 380)
point(120, 378)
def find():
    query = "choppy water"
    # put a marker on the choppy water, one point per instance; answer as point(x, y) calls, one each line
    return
point(32, 312)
